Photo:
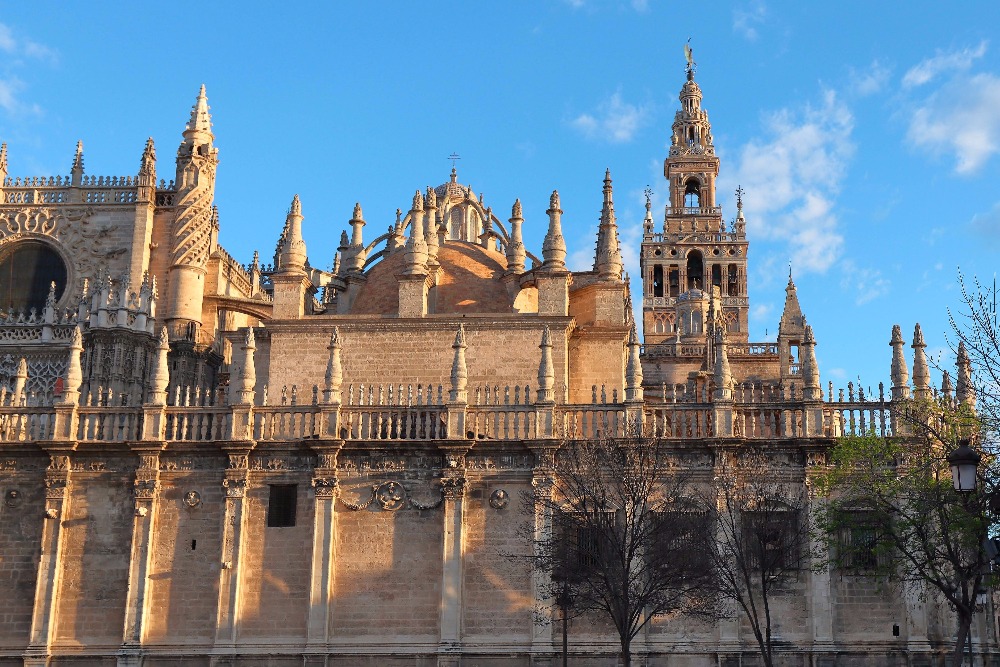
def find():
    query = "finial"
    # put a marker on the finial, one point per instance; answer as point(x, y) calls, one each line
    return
point(554, 200)
point(689, 57)
point(649, 198)
point(418, 201)
point(357, 215)
point(515, 211)
point(296, 208)
point(3, 157)
point(739, 196)
point(199, 127)
point(430, 201)
point(554, 245)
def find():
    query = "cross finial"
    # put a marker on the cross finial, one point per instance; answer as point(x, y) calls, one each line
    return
point(454, 157)
point(649, 196)
point(739, 196)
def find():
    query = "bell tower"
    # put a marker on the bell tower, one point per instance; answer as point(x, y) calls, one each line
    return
point(695, 261)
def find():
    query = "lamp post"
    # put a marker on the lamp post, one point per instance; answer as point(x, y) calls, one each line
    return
point(964, 463)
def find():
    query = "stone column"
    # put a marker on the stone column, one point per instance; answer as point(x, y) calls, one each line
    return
point(821, 590)
point(47, 584)
point(324, 552)
point(145, 488)
point(453, 485)
point(541, 629)
point(234, 483)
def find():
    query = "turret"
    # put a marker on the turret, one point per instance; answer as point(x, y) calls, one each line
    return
point(546, 369)
point(791, 330)
point(554, 245)
point(722, 373)
point(811, 390)
point(633, 368)
point(356, 256)
point(191, 235)
point(413, 280)
point(334, 371)
point(160, 377)
point(74, 369)
point(459, 392)
point(293, 250)
point(147, 173)
point(608, 260)
point(921, 371)
point(899, 374)
point(291, 282)
point(430, 228)
point(516, 254)
point(947, 390)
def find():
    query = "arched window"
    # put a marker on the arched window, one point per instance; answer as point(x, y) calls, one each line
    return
point(717, 276)
point(695, 270)
point(692, 194)
point(657, 280)
point(734, 285)
point(27, 269)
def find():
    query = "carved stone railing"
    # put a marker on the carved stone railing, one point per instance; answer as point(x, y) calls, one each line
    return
point(197, 424)
point(285, 422)
point(385, 422)
point(694, 210)
point(591, 421)
point(26, 424)
point(501, 422)
point(108, 424)
point(678, 421)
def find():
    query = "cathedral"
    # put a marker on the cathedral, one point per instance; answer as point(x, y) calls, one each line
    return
point(205, 462)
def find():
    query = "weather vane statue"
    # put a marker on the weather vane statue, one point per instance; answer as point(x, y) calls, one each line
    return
point(689, 56)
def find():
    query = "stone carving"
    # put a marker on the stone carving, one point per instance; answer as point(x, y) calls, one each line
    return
point(357, 507)
point(391, 496)
point(145, 489)
point(192, 498)
point(12, 498)
point(55, 488)
point(51, 513)
point(325, 487)
point(235, 488)
point(499, 499)
point(453, 487)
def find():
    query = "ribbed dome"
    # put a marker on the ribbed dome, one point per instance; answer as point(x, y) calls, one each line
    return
point(454, 189)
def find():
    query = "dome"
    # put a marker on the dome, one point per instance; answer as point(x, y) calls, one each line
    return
point(469, 282)
point(454, 189)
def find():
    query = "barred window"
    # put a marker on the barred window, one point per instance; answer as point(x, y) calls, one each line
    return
point(772, 538)
point(859, 545)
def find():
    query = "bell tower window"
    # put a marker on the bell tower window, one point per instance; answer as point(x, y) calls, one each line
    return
point(734, 286)
point(692, 194)
point(717, 276)
point(695, 270)
point(657, 280)
point(674, 281)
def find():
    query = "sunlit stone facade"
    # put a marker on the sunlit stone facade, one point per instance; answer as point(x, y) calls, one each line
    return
point(210, 463)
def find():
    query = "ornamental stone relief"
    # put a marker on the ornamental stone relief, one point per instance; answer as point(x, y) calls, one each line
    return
point(390, 496)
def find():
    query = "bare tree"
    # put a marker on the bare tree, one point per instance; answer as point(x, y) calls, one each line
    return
point(761, 536)
point(625, 542)
point(976, 343)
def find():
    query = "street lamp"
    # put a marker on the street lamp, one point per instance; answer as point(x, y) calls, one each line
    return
point(963, 462)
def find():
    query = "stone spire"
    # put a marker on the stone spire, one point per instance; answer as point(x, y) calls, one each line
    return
point(416, 245)
point(546, 369)
point(791, 315)
point(397, 237)
point(356, 255)
point(811, 390)
point(921, 371)
point(740, 226)
point(899, 374)
point(608, 261)
point(633, 368)
point(247, 377)
point(3, 163)
point(554, 245)
point(160, 379)
point(74, 369)
point(516, 255)
point(334, 371)
point(147, 165)
point(199, 128)
point(964, 391)
point(293, 250)
point(723, 374)
point(76, 172)
point(459, 372)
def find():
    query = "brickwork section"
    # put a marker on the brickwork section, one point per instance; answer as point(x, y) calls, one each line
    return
point(276, 562)
point(97, 534)
point(20, 542)
point(184, 576)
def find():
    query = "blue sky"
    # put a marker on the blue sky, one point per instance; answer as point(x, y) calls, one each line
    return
point(865, 134)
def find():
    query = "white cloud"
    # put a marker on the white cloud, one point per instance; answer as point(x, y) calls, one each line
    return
point(868, 283)
point(870, 80)
point(16, 50)
point(986, 226)
point(792, 177)
point(640, 6)
point(961, 118)
point(614, 120)
point(924, 71)
point(746, 19)
point(8, 94)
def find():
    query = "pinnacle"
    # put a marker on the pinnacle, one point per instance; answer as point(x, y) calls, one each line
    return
point(3, 156)
point(201, 120)
point(78, 157)
point(515, 211)
point(357, 212)
point(554, 200)
point(296, 206)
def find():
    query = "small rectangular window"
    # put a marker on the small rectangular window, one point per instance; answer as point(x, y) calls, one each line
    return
point(281, 505)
